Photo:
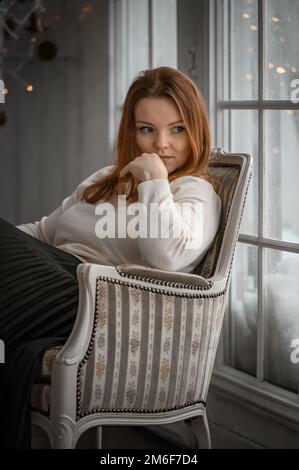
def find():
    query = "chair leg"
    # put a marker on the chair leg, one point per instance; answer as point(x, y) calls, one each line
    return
point(201, 430)
point(99, 437)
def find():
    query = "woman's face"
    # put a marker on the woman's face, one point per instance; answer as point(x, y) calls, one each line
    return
point(160, 129)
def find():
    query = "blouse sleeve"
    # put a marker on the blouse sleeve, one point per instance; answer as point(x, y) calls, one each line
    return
point(45, 228)
point(188, 215)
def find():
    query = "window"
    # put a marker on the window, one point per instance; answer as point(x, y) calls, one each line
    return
point(257, 62)
point(143, 34)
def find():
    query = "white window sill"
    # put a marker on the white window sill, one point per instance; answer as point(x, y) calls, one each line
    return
point(283, 406)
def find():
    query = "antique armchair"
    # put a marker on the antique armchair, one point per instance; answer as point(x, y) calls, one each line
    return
point(144, 342)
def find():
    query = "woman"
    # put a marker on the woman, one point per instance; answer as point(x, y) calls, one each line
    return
point(163, 149)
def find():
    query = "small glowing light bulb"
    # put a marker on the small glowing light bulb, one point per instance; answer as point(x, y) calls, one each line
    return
point(276, 150)
point(29, 88)
point(280, 70)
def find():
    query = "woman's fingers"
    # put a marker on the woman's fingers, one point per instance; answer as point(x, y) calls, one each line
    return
point(124, 171)
point(138, 166)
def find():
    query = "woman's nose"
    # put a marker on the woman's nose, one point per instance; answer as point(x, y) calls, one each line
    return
point(162, 140)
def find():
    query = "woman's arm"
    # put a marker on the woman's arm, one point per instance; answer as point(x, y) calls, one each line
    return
point(190, 210)
point(45, 228)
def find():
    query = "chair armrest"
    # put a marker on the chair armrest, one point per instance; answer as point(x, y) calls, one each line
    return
point(173, 279)
point(167, 282)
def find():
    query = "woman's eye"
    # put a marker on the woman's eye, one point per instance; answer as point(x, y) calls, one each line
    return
point(148, 130)
point(180, 129)
point(142, 129)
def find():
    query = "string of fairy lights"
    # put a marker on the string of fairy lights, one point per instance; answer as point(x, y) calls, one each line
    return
point(29, 21)
point(34, 21)
point(12, 27)
point(279, 68)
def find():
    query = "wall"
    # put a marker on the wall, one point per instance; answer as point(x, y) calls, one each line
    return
point(193, 44)
point(58, 134)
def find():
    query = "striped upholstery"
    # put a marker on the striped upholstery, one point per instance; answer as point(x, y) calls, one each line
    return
point(161, 363)
point(47, 362)
point(149, 351)
point(41, 390)
point(40, 397)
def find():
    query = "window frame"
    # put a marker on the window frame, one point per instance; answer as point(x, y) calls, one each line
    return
point(136, 45)
point(273, 400)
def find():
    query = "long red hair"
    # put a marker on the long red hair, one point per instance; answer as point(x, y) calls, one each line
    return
point(158, 83)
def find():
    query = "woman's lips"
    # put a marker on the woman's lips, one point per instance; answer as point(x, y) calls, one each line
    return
point(166, 156)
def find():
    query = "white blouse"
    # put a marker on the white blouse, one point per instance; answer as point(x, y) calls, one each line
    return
point(171, 227)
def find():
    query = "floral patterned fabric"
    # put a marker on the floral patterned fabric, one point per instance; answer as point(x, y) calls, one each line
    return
point(151, 351)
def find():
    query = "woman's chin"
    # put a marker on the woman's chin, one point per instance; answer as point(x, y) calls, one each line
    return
point(169, 167)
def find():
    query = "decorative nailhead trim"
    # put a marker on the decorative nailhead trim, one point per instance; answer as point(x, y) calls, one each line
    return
point(87, 354)
point(160, 291)
point(125, 410)
point(139, 411)
point(220, 163)
point(161, 282)
point(238, 231)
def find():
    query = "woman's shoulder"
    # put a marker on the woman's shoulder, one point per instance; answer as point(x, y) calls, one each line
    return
point(194, 186)
point(193, 181)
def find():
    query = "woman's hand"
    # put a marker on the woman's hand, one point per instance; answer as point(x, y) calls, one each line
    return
point(148, 166)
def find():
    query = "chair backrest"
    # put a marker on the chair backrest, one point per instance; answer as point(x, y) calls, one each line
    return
point(233, 172)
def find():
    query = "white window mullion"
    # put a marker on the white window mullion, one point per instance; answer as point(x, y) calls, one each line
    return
point(138, 38)
point(164, 32)
point(128, 51)
point(220, 73)
point(143, 34)
point(213, 67)
point(260, 357)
